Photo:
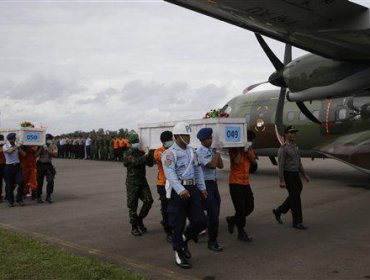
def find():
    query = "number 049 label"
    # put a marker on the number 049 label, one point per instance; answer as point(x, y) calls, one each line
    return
point(232, 134)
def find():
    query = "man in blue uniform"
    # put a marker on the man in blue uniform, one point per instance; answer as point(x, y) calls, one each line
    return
point(13, 171)
point(210, 160)
point(184, 189)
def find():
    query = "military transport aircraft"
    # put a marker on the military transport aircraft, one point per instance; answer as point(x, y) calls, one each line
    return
point(330, 86)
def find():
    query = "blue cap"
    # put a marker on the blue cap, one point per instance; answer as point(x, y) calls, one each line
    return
point(11, 136)
point(204, 133)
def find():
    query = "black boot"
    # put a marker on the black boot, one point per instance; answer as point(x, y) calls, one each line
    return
point(135, 231)
point(230, 225)
point(243, 236)
point(48, 199)
point(181, 260)
point(141, 226)
point(277, 216)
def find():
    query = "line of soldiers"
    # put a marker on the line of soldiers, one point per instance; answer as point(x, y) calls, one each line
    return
point(188, 190)
point(104, 147)
point(25, 168)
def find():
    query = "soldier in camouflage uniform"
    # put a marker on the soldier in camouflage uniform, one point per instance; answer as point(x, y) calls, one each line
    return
point(111, 150)
point(137, 186)
point(94, 148)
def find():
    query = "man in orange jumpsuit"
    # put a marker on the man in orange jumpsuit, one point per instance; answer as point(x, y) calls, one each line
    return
point(116, 148)
point(28, 164)
point(167, 141)
point(2, 166)
point(240, 190)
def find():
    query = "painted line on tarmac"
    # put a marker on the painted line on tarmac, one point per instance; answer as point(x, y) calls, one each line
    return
point(95, 252)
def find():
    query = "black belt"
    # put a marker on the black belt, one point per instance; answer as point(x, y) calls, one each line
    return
point(13, 164)
point(189, 182)
point(210, 181)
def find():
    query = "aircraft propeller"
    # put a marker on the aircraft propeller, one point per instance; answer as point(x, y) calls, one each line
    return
point(277, 79)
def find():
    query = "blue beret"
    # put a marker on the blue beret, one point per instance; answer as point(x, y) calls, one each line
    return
point(204, 133)
point(11, 136)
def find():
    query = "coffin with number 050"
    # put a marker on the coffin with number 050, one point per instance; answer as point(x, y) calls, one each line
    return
point(227, 132)
point(27, 136)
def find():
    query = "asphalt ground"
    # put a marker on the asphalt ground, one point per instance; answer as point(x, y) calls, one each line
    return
point(89, 217)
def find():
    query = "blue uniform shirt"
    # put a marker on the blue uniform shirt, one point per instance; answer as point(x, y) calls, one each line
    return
point(205, 155)
point(175, 161)
point(10, 158)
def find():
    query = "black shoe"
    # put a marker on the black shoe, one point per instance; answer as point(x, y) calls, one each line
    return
point(299, 226)
point(213, 246)
point(230, 225)
point(135, 231)
point(181, 260)
point(21, 203)
point(169, 238)
point(243, 236)
point(141, 226)
point(11, 205)
point(49, 200)
point(39, 200)
point(186, 251)
point(277, 216)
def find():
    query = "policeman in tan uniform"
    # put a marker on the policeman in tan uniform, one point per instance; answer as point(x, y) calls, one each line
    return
point(290, 169)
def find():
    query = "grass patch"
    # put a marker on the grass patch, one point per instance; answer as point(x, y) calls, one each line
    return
point(24, 258)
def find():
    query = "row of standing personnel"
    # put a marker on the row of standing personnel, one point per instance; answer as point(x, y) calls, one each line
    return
point(187, 188)
point(95, 148)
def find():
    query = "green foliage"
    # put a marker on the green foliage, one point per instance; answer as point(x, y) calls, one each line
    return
point(24, 258)
point(27, 124)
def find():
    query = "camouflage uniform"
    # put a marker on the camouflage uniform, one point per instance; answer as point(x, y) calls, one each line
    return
point(137, 185)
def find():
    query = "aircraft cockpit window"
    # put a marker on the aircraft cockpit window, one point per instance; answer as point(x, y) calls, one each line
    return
point(290, 116)
point(316, 114)
point(342, 114)
point(302, 117)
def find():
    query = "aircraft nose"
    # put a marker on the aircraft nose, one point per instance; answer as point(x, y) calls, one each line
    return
point(277, 79)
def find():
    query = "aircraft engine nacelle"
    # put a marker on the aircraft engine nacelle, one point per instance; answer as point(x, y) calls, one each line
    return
point(313, 77)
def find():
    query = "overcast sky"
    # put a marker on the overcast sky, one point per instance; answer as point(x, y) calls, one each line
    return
point(82, 65)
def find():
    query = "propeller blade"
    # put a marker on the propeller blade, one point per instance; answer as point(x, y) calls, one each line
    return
point(287, 54)
point(248, 89)
point(273, 58)
point(279, 112)
point(307, 113)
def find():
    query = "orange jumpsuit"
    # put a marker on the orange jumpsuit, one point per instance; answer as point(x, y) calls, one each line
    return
point(28, 164)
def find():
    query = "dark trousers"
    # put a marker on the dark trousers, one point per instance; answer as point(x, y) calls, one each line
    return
point(13, 176)
point(212, 206)
point(134, 193)
point(88, 152)
point(164, 205)
point(2, 178)
point(179, 209)
point(61, 151)
point(294, 186)
point(45, 170)
point(243, 201)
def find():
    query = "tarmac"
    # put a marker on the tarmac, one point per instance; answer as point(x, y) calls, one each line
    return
point(89, 217)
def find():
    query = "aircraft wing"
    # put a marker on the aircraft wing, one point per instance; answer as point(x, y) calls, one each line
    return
point(336, 29)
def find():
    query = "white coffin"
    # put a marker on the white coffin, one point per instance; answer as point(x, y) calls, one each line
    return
point(27, 136)
point(227, 132)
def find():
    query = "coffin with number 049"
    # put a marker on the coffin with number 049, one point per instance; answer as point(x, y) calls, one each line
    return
point(227, 132)
point(27, 136)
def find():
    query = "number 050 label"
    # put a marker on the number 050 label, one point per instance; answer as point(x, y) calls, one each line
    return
point(232, 134)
